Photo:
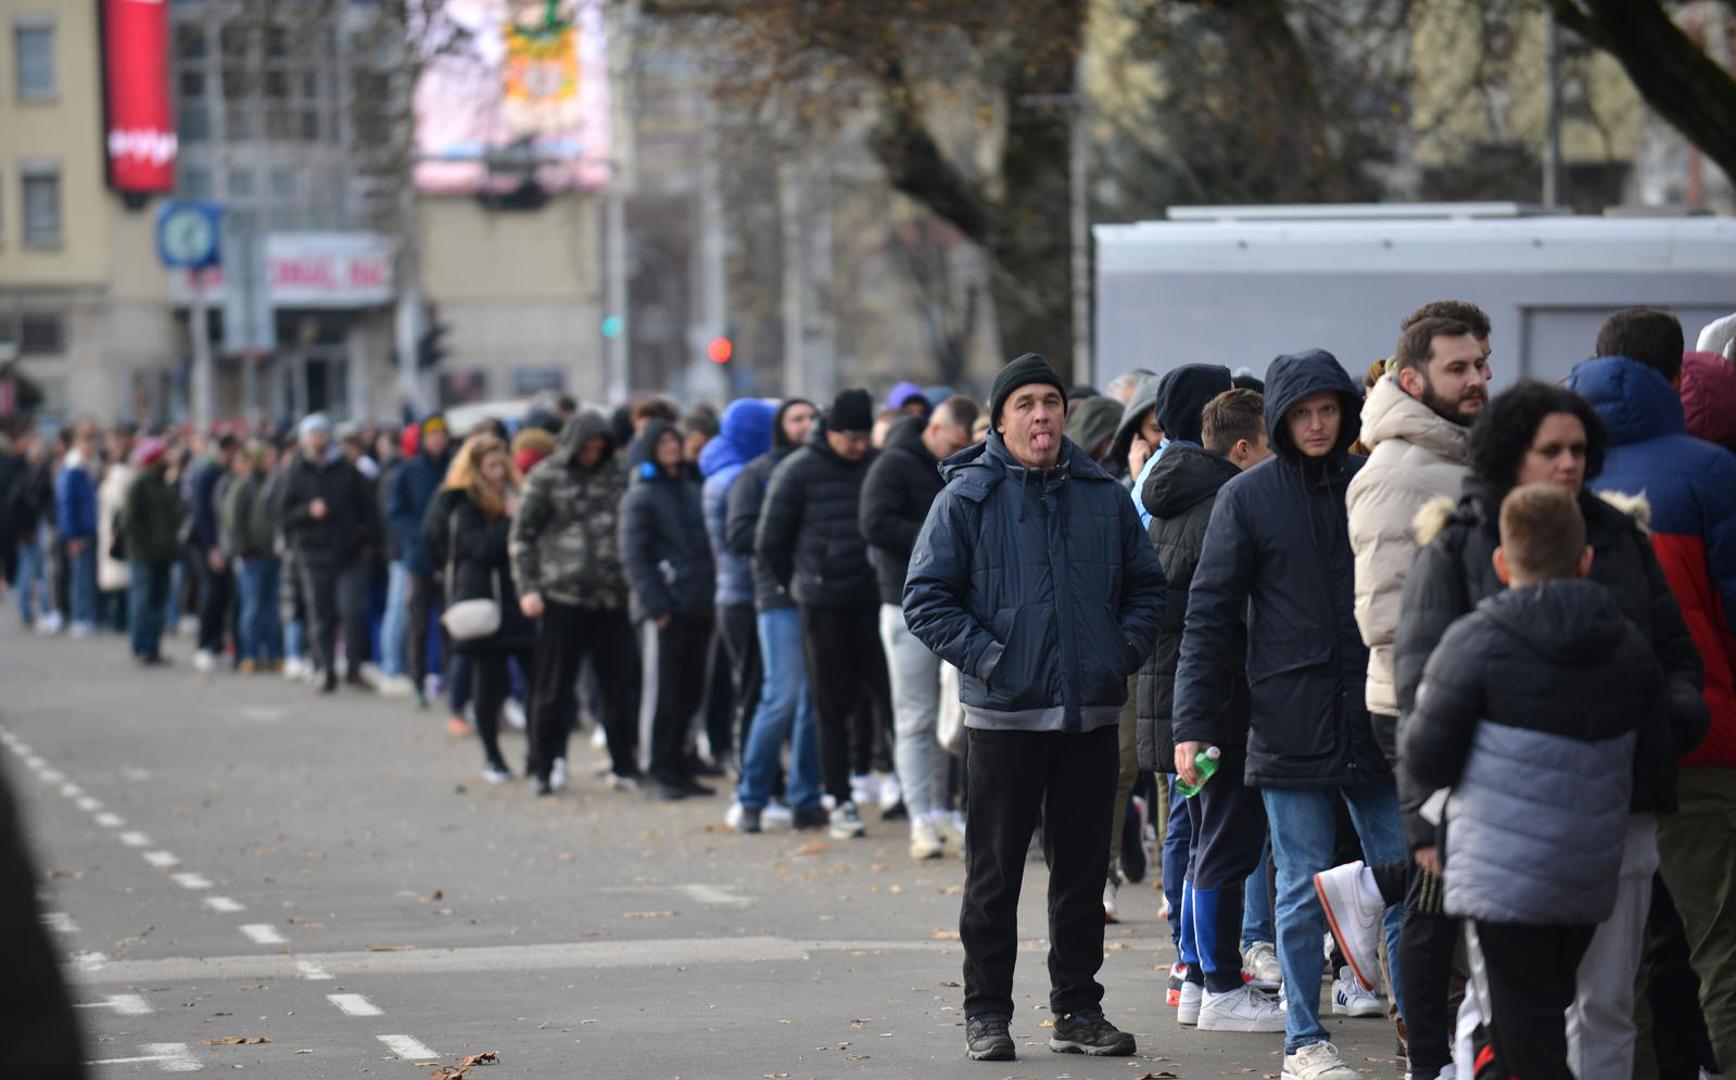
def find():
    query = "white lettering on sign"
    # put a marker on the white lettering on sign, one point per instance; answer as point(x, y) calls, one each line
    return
point(156, 147)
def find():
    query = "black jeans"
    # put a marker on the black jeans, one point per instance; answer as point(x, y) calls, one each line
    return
point(1228, 820)
point(850, 689)
point(565, 635)
point(422, 603)
point(739, 627)
point(216, 593)
point(1425, 959)
point(336, 592)
point(493, 684)
point(1017, 777)
point(674, 674)
point(1531, 974)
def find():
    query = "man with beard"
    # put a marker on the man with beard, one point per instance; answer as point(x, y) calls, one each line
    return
point(1416, 422)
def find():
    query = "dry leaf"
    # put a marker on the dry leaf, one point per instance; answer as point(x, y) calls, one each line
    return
point(951, 982)
point(814, 847)
point(944, 935)
point(1047, 1024)
point(237, 1040)
point(487, 1057)
point(391, 948)
point(448, 1072)
point(439, 894)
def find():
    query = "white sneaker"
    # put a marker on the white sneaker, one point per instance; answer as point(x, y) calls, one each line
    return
point(293, 667)
point(513, 711)
point(847, 823)
point(49, 624)
point(1351, 998)
point(395, 686)
point(617, 782)
point(732, 816)
point(1260, 961)
point(1187, 1011)
point(204, 661)
point(558, 775)
point(83, 629)
point(891, 792)
point(1111, 909)
point(776, 814)
point(599, 738)
point(1354, 921)
point(188, 626)
point(925, 840)
point(952, 828)
point(864, 790)
point(1318, 1061)
point(1242, 1009)
point(495, 775)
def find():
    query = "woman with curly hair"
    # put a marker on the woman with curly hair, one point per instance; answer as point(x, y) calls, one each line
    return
point(485, 486)
point(1541, 433)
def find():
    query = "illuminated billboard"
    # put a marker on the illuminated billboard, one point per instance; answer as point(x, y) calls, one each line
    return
point(140, 128)
point(514, 90)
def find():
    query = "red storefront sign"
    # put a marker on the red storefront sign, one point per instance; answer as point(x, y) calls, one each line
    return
point(141, 127)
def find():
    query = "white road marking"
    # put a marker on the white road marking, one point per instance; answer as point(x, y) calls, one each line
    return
point(135, 839)
point(353, 1004)
point(189, 880)
point(224, 904)
point(53, 776)
point(407, 1048)
point(60, 922)
point(71, 791)
point(264, 714)
point(90, 962)
point(162, 860)
point(135, 774)
point(109, 821)
point(312, 971)
point(173, 1057)
point(715, 894)
point(88, 804)
point(125, 1004)
point(262, 934)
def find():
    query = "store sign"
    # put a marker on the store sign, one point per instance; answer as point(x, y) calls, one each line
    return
point(140, 122)
point(316, 270)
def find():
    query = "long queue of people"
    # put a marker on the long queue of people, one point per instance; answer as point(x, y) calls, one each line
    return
point(1413, 678)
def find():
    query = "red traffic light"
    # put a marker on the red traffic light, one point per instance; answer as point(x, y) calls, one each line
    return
point(720, 349)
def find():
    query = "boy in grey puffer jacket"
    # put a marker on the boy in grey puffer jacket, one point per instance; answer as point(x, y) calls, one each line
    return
point(1530, 711)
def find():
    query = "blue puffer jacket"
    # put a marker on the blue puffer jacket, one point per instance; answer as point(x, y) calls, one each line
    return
point(1040, 587)
point(75, 499)
point(744, 433)
point(1278, 547)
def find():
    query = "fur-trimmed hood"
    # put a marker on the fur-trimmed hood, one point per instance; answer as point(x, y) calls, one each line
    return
point(1436, 514)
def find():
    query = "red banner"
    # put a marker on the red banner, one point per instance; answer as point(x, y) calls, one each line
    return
point(141, 125)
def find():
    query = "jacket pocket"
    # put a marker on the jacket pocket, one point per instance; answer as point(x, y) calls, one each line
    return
point(1106, 657)
point(1294, 688)
point(1025, 674)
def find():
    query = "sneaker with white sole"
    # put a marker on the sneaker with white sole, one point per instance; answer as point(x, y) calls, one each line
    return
point(1351, 998)
point(1187, 1007)
point(1111, 906)
point(512, 711)
point(847, 823)
point(1260, 962)
point(777, 815)
point(618, 782)
point(1352, 918)
point(558, 775)
point(864, 789)
point(204, 661)
point(1242, 1009)
point(1172, 989)
point(732, 816)
point(1318, 1061)
point(925, 841)
point(891, 793)
point(496, 774)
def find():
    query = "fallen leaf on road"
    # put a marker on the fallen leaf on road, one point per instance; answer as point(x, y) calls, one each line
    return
point(448, 1072)
point(439, 894)
point(1047, 1023)
point(391, 948)
point(774, 1076)
point(487, 1057)
point(237, 1040)
point(814, 847)
point(944, 935)
point(1116, 946)
point(951, 982)
point(895, 889)
point(1158, 1076)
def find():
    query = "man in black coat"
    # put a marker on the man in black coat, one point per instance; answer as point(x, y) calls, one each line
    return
point(1277, 547)
point(1227, 820)
point(809, 539)
point(901, 486)
point(1034, 579)
point(329, 517)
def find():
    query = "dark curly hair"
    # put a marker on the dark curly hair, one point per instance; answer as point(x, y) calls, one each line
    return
point(1503, 432)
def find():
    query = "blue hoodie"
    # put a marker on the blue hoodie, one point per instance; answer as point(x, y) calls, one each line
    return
point(744, 433)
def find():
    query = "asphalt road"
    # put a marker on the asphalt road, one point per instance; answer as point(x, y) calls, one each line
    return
point(230, 857)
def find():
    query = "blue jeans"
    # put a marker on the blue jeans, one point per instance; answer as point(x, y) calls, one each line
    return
point(261, 639)
point(81, 585)
point(1257, 902)
point(172, 607)
point(1302, 827)
point(395, 619)
point(31, 584)
point(785, 712)
point(1177, 846)
point(147, 599)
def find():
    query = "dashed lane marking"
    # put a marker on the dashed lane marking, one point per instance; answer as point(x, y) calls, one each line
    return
point(353, 1005)
point(88, 804)
point(135, 839)
point(53, 776)
point(60, 922)
point(109, 821)
point(224, 905)
point(189, 880)
point(125, 1004)
point(312, 971)
point(71, 791)
point(262, 934)
point(90, 962)
point(408, 1048)
point(162, 860)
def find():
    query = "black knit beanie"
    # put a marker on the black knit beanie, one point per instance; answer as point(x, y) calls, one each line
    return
point(852, 411)
point(1027, 369)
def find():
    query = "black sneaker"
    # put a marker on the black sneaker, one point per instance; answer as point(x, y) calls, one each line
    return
point(663, 791)
point(814, 817)
point(1087, 1032)
point(986, 1038)
point(749, 822)
point(693, 787)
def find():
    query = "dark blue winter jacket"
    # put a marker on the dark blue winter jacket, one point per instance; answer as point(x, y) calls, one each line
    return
point(1040, 587)
point(1278, 547)
point(75, 499)
point(201, 496)
point(413, 487)
point(744, 433)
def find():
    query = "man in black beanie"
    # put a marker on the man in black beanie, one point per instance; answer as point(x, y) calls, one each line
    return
point(1033, 577)
point(809, 539)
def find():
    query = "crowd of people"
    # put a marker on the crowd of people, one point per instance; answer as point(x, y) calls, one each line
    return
point(1412, 679)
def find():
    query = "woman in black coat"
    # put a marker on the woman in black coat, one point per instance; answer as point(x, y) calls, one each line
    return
point(478, 569)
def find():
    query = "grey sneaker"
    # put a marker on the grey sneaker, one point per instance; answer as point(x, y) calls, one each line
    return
point(846, 822)
point(1088, 1032)
point(986, 1038)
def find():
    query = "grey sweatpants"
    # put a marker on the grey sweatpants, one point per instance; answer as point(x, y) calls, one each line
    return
point(1600, 1023)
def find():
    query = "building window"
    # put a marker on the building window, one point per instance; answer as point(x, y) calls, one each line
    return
point(192, 84)
point(190, 42)
point(33, 51)
point(241, 184)
point(193, 122)
point(41, 334)
point(282, 185)
point(41, 188)
point(195, 183)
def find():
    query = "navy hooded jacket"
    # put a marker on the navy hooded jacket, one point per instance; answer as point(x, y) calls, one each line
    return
point(1040, 587)
point(1278, 546)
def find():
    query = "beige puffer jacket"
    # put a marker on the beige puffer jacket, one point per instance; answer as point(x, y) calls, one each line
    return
point(1416, 455)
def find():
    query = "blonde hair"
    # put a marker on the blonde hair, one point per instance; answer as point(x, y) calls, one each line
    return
point(465, 473)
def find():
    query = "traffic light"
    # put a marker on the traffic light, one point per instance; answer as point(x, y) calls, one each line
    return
point(720, 349)
point(430, 349)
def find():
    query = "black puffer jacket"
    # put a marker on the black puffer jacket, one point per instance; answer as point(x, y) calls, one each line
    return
point(664, 545)
point(348, 531)
point(1454, 572)
point(808, 534)
point(1278, 548)
point(1179, 495)
point(481, 569)
point(741, 514)
point(900, 487)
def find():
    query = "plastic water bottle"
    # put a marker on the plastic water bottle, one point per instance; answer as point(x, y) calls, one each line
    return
point(1206, 761)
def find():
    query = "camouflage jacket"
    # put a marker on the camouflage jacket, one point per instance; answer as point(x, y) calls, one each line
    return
point(564, 538)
